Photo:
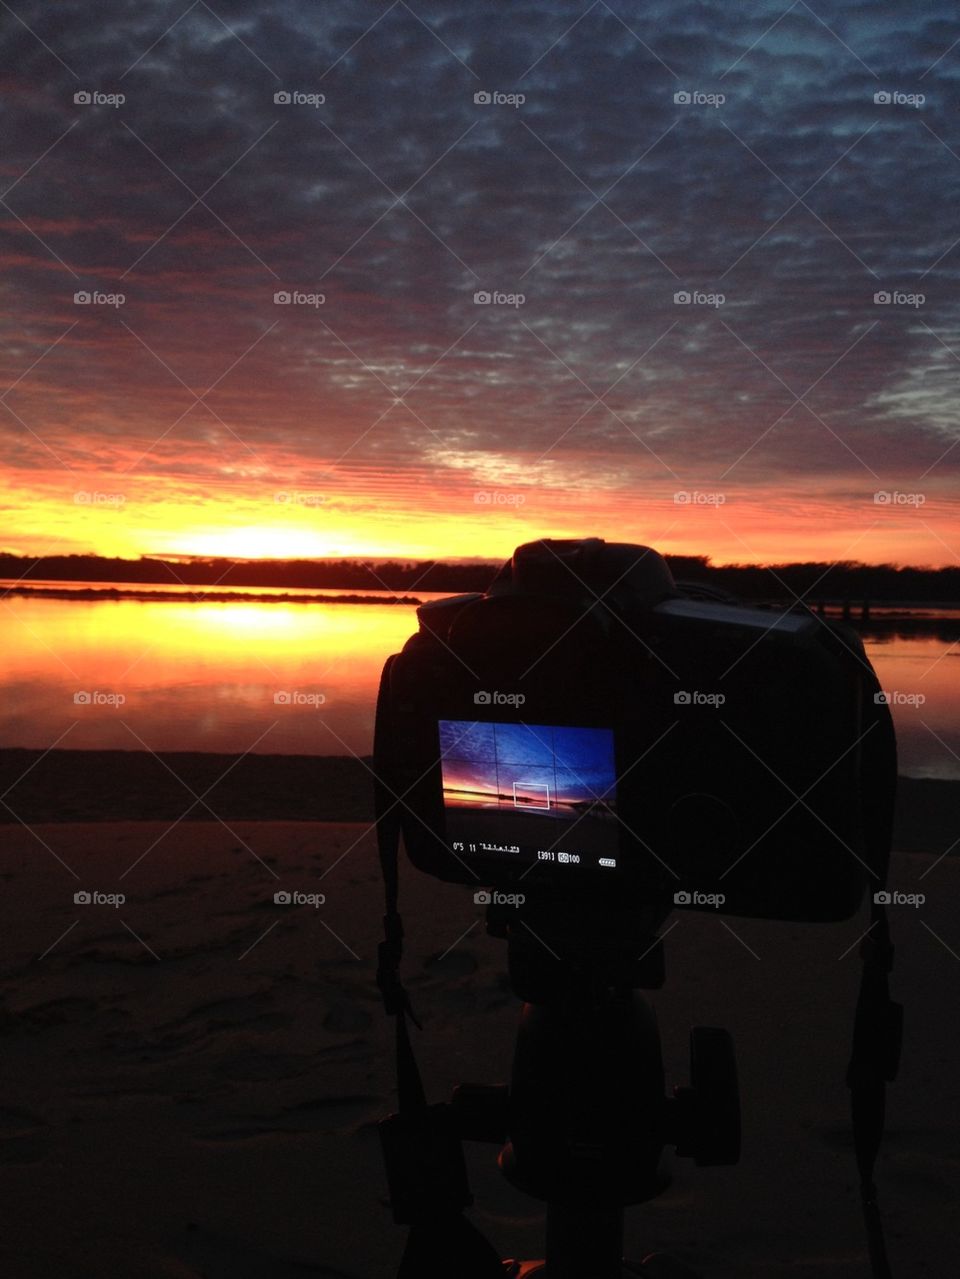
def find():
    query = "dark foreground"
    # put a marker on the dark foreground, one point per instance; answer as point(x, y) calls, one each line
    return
point(190, 1079)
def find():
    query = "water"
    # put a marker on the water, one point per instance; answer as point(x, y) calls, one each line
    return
point(198, 676)
point(301, 678)
point(920, 666)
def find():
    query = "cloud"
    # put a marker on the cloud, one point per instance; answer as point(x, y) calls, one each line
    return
point(781, 210)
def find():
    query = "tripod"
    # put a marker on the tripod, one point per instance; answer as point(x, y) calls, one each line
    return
point(584, 1120)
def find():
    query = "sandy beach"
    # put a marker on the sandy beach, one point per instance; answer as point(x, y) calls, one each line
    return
point(192, 1077)
point(134, 785)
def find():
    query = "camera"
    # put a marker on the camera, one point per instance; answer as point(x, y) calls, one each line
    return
point(606, 779)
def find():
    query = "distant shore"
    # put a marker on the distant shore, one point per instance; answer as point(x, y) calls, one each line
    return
point(884, 619)
point(115, 785)
point(199, 592)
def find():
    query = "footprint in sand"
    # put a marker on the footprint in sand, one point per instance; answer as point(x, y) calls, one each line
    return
point(322, 1115)
point(346, 1019)
point(178, 891)
point(451, 964)
point(129, 952)
point(110, 939)
point(913, 1173)
point(229, 1012)
point(57, 1012)
point(250, 1067)
point(214, 1256)
point(255, 1012)
point(897, 1141)
point(149, 1048)
point(22, 1136)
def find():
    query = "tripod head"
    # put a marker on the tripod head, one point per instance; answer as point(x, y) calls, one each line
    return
point(557, 944)
point(584, 1121)
point(585, 1116)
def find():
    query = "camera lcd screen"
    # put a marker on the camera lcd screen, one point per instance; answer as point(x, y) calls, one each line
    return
point(530, 793)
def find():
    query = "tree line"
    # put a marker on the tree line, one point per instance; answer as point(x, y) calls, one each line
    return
point(812, 581)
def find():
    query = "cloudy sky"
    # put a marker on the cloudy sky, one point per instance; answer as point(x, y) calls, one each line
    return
point(390, 166)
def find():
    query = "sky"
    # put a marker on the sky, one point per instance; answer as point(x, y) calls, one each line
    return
point(678, 274)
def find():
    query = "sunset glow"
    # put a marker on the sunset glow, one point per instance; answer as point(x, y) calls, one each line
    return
point(604, 310)
point(244, 522)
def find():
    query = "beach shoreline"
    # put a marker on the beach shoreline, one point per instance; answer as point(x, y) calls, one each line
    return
point(136, 785)
point(198, 594)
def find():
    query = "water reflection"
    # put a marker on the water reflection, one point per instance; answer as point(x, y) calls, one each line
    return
point(209, 676)
point(285, 679)
point(921, 675)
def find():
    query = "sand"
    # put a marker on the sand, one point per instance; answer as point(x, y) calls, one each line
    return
point(191, 1080)
point(135, 785)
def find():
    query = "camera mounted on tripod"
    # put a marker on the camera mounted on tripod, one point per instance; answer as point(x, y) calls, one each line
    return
point(591, 747)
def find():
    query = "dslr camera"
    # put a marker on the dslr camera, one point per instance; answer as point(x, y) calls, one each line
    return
point(590, 731)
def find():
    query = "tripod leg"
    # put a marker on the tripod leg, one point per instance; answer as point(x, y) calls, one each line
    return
point(448, 1247)
point(584, 1241)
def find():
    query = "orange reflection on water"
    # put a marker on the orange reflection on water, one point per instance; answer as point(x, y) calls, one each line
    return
point(196, 675)
point(205, 676)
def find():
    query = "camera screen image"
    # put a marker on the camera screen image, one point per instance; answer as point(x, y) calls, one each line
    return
point(530, 792)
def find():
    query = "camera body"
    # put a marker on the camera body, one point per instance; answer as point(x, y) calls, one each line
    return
point(584, 731)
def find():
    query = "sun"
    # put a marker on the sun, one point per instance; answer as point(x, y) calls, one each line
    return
point(258, 542)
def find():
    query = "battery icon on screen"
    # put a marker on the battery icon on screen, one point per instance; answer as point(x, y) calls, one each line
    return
point(606, 861)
